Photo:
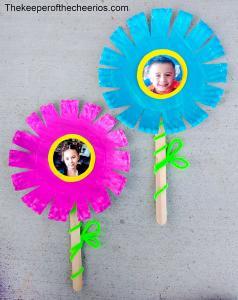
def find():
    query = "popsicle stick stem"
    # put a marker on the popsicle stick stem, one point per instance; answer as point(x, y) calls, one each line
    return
point(77, 261)
point(160, 181)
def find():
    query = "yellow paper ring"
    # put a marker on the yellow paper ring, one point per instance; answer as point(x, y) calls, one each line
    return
point(144, 61)
point(51, 155)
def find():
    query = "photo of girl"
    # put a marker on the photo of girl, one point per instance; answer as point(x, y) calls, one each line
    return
point(71, 157)
point(162, 75)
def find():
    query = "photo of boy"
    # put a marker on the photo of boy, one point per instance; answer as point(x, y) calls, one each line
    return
point(160, 75)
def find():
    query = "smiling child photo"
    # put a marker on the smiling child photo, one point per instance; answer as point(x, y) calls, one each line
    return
point(162, 75)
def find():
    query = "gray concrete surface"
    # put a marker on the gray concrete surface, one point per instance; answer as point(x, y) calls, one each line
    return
point(47, 57)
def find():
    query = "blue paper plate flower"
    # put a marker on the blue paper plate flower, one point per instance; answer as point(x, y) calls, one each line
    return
point(192, 48)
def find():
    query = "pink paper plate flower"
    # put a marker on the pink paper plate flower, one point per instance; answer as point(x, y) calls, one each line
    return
point(50, 188)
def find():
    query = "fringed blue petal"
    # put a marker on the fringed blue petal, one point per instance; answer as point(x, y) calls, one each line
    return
point(115, 99)
point(111, 58)
point(109, 77)
point(173, 122)
point(121, 41)
point(138, 27)
point(181, 23)
point(210, 95)
point(199, 35)
point(130, 116)
point(215, 72)
point(194, 114)
point(160, 22)
point(212, 50)
point(150, 121)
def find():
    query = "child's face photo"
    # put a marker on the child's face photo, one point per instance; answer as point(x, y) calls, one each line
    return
point(71, 158)
point(161, 76)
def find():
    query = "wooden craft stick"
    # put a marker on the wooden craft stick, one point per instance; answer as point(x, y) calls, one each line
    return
point(77, 261)
point(160, 181)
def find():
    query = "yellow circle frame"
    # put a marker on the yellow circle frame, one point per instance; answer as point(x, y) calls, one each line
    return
point(51, 155)
point(144, 61)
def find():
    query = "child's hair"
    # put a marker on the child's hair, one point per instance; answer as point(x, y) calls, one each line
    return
point(161, 60)
point(69, 144)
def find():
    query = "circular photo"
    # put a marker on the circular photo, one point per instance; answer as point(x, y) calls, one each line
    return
point(162, 74)
point(71, 157)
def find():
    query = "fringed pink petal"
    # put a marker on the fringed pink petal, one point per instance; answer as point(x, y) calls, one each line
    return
point(99, 199)
point(69, 109)
point(120, 160)
point(35, 122)
point(115, 182)
point(60, 208)
point(25, 180)
point(21, 159)
point(58, 213)
point(49, 113)
point(25, 140)
point(106, 122)
point(118, 137)
point(37, 199)
point(90, 111)
point(83, 211)
point(53, 213)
